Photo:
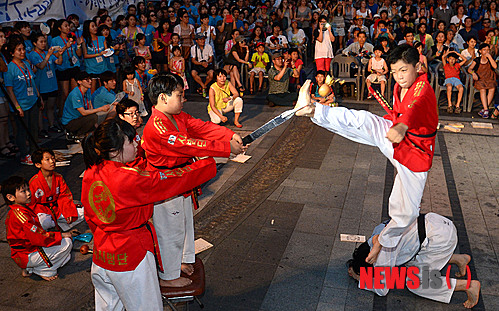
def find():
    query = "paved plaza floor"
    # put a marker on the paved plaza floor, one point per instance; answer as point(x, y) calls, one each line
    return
point(275, 221)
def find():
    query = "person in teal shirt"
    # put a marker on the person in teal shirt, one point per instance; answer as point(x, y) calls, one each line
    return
point(79, 116)
point(93, 52)
point(105, 95)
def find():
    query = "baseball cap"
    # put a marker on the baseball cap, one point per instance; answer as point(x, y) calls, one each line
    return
point(276, 55)
point(200, 36)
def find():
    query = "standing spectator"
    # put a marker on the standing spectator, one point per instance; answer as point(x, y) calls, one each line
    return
point(321, 9)
point(373, 6)
point(172, 18)
point(364, 12)
point(45, 62)
point(442, 13)
point(214, 17)
point(279, 76)
point(130, 33)
point(468, 31)
point(303, 15)
point(451, 41)
point(192, 11)
point(285, 13)
point(24, 29)
point(22, 90)
point(93, 51)
point(484, 77)
point(113, 60)
point(161, 40)
point(71, 51)
point(226, 29)
point(409, 8)
point(492, 14)
point(147, 28)
point(202, 62)
point(7, 149)
point(141, 49)
point(297, 37)
point(177, 65)
point(153, 19)
point(338, 20)
point(477, 14)
point(323, 47)
point(425, 39)
point(186, 32)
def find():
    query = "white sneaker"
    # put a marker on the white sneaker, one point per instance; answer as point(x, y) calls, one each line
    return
point(307, 108)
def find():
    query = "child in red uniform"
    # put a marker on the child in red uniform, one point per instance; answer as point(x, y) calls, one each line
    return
point(52, 200)
point(33, 249)
point(452, 69)
point(171, 139)
point(118, 200)
point(406, 136)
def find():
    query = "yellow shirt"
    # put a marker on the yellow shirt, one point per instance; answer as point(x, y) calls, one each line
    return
point(220, 94)
point(260, 59)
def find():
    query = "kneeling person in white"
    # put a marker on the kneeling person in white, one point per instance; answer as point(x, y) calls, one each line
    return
point(224, 98)
point(434, 253)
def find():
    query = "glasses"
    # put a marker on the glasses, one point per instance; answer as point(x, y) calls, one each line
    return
point(132, 114)
point(170, 11)
point(185, 16)
point(152, 15)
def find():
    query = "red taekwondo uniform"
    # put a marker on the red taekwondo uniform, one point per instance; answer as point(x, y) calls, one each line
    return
point(52, 202)
point(118, 202)
point(412, 157)
point(33, 248)
point(171, 146)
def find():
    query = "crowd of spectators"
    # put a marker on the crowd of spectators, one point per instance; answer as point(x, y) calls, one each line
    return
point(249, 40)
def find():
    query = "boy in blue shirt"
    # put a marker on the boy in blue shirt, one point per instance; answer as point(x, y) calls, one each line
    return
point(79, 116)
point(105, 95)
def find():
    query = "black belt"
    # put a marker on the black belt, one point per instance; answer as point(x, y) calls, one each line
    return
point(423, 135)
point(162, 167)
point(421, 235)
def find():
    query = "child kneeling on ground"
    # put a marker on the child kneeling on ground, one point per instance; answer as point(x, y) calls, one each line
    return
point(33, 249)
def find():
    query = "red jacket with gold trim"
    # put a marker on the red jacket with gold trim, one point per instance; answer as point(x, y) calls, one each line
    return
point(25, 234)
point(167, 147)
point(58, 197)
point(118, 202)
point(419, 112)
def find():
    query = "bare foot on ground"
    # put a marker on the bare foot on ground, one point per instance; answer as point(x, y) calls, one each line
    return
point(49, 278)
point(462, 261)
point(25, 273)
point(473, 294)
point(187, 268)
point(180, 282)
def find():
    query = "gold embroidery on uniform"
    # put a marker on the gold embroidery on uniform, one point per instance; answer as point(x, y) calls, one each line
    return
point(159, 126)
point(20, 216)
point(137, 170)
point(102, 202)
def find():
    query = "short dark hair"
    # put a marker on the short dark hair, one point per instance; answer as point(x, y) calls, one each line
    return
point(359, 258)
point(362, 32)
point(219, 71)
point(176, 48)
point(163, 83)
point(139, 37)
point(128, 70)
point(37, 156)
point(468, 18)
point(408, 31)
point(378, 48)
point(10, 185)
point(35, 36)
point(452, 54)
point(405, 53)
point(138, 60)
point(124, 104)
point(20, 25)
point(321, 72)
point(203, 16)
point(107, 76)
point(82, 75)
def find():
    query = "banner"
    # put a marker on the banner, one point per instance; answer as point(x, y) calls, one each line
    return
point(42, 10)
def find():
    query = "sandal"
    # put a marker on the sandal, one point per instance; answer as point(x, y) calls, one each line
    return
point(12, 147)
point(450, 109)
point(5, 152)
point(457, 110)
point(494, 115)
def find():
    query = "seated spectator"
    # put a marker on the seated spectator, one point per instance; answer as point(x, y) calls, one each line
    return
point(177, 66)
point(454, 40)
point(400, 31)
point(224, 97)
point(425, 39)
point(296, 63)
point(378, 68)
point(358, 23)
point(296, 36)
point(482, 33)
point(279, 76)
point(386, 47)
point(360, 48)
point(354, 38)
point(471, 52)
point(105, 95)
point(422, 58)
point(382, 31)
point(202, 62)
point(483, 71)
point(238, 55)
point(460, 17)
point(452, 70)
point(79, 116)
point(493, 46)
point(128, 110)
point(260, 60)
point(468, 31)
point(230, 43)
point(276, 42)
point(27, 240)
point(320, 78)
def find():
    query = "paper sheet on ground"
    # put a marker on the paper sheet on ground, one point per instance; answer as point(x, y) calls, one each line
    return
point(201, 245)
point(241, 158)
point(352, 238)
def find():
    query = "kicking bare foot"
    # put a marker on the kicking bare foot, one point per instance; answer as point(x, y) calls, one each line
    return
point(473, 294)
point(25, 273)
point(179, 282)
point(49, 278)
point(461, 260)
point(303, 103)
point(187, 268)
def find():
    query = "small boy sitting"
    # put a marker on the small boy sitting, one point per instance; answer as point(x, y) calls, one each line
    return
point(451, 70)
point(260, 59)
point(328, 100)
point(52, 200)
point(378, 68)
point(296, 63)
point(33, 249)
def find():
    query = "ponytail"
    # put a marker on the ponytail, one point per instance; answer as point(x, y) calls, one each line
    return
point(108, 137)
